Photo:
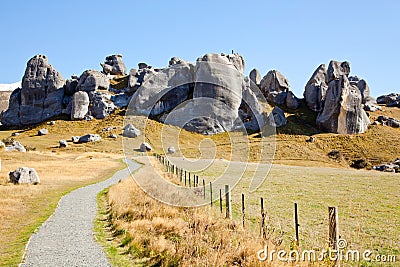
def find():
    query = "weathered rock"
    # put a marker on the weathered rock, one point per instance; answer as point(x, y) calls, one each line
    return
point(130, 131)
point(15, 134)
point(89, 138)
point(393, 123)
point(40, 97)
point(315, 89)
point(88, 118)
point(171, 150)
point(255, 76)
point(52, 122)
point(121, 100)
point(251, 110)
point(102, 106)
point(92, 80)
point(80, 105)
point(144, 147)
point(114, 65)
point(24, 175)
point(113, 136)
point(75, 139)
point(343, 111)
point(43, 131)
point(279, 118)
point(63, 143)
point(292, 101)
point(337, 69)
point(70, 86)
point(275, 87)
point(143, 65)
point(16, 146)
point(390, 100)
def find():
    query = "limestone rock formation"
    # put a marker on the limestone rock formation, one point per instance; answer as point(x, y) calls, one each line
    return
point(79, 105)
point(92, 80)
point(390, 100)
point(16, 146)
point(40, 97)
point(255, 76)
point(43, 131)
point(102, 106)
point(342, 112)
point(337, 69)
point(114, 65)
point(315, 89)
point(70, 86)
point(275, 87)
point(292, 101)
point(279, 118)
point(24, 175)
point(171, 150)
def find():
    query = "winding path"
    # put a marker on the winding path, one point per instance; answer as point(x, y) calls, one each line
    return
point(66, 238)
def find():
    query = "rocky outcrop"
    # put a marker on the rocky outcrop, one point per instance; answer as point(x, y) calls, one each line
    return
point(209, 97)
point(389, 167)
point(342, 112)
point(92, 80)
point(16, 146)
point(114, 65)
point(70, 86)
point(40, 97)
point(390, 100)
point(275, 87)
point(79, 105)
point(315, 90)
point(391, 122)
point(24, 175)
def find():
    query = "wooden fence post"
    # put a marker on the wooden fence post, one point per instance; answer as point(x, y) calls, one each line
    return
point(228, 202)
point(204, 189)
point(211, 197)
point(333, 227)
point(263, 234)
point(189, 181)
point(220, 200)
point(243, 209)
point(296, 224)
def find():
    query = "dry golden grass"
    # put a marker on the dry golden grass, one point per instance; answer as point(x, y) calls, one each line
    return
point(25, 207)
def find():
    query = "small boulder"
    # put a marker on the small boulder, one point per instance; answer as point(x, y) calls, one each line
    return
point(114, 65)
point(89, 138)
point(24, 175)
point(63, 143)
point(75, 139)
point(43, 131)
point(52, 122)
point(16, 146)
point(79, 106)
point(92, 80)
point(15, 134)
point(130, 131)
point(171, 150)
point(113, 136)
point(144, 147)
point(279, 119)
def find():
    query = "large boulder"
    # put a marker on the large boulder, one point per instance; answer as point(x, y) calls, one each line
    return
point(70, 86)
point(275, 86)
point(114, 65)
point(343, 112)
point(144, 147)
point(79, 105)
point(337, 69)
point(315, 89)
point(292, 101)
point(102, 106)
point(390, 100)
point(92, 80)
point(24, 175)
point(40, 97)
point(279, 118)
point(255, 76)
point(89, 138)
point(130, 131)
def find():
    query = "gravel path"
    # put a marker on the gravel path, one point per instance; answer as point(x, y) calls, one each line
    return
point(66, 238)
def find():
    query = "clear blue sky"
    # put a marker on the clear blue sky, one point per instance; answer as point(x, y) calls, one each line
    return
point(293, 37)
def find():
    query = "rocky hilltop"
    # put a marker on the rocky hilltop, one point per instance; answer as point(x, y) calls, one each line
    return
point(209, 96)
